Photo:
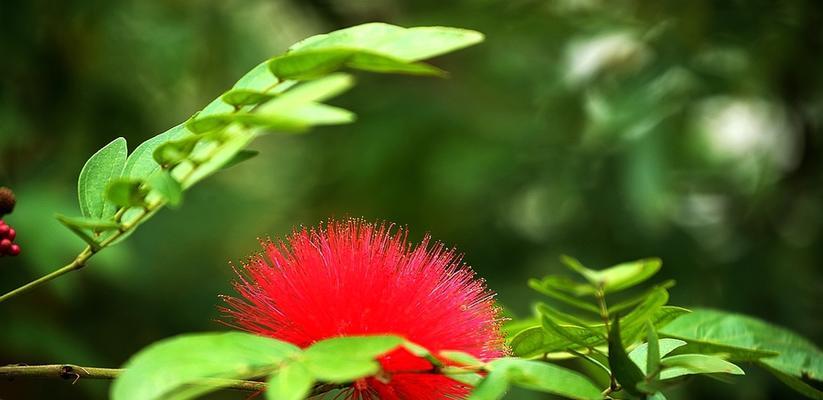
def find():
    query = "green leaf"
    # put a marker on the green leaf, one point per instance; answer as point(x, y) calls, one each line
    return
point(79, 226)
point(624, 369)
point(546, 289)
point(462, 358)
point(252, 88)
point(88, 223)
point(238, 140)
point(186, 366)
point(274, 120)
point(312, 64)
point(313, 91)
point(141, 163)
point(637, 299)
point(634, 323)
point(553, 337)
point(492, 387)
point(173, 152)
point(345, 359)
point(103, 167)
point(653, 356)
point(291, 382)
point(748, 339)
point(575, 336)
point(564, 318)
point(242, 155)
point(547, 378)
point(168, 187)
point(685, 364)
point(410, 44)
point(665, 346)
point(618, 277)
point(796, 384)
point(126, 192)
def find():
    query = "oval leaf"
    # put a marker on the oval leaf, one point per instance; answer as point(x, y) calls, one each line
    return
point(189, 365)
point(103, 167)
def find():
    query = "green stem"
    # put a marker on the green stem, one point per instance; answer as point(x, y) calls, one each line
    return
point(604, 314)
point(83, 257)
point(90, 250)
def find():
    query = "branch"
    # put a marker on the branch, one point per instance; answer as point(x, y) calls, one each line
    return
point(75, 372)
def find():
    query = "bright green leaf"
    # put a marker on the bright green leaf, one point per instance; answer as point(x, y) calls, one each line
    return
point(492, 387)
point(462, 358)
point(665, 346)
point(291, 382)
point(238, 140)
point(345, 359)
point(126, 192)
point(88, 223)
point(186, 366)
point(242, 155)
point(546, 377)
point(409, 44)
point(168, 187)
point(685, 364)
point(141, 163)
point(104, 166)
point(173, 152)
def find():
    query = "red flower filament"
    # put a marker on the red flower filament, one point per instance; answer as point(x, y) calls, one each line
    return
point(355, 278)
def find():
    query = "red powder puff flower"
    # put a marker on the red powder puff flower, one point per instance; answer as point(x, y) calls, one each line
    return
point(355, 278)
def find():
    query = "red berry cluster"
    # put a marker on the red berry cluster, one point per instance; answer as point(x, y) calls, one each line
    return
point(7, 233)
point(7, 245)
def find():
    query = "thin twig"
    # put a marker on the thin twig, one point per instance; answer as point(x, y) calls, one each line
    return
point(75, 372)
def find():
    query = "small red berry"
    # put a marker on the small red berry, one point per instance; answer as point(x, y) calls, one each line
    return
point(11, 234)
point(4, 230)
point(5, 245)
point(14, 250)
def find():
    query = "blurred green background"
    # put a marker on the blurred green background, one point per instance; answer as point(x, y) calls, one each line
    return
point(609, 130)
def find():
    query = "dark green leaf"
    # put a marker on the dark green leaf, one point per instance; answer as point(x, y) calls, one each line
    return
point(624, 369)
point(291, 382)
point(745, 339)
point(796, 384)
point(103, 167)
point(653, 356)
point(126, 193)
point(186, 366)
